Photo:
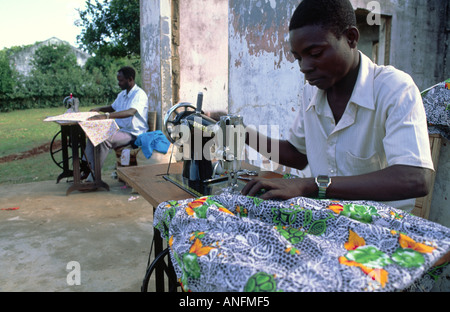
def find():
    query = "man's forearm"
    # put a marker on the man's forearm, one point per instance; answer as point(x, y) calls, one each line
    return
point(104, 109)
point(393, 183)
point(123, 114)
point(113, 114)
point(279, 151)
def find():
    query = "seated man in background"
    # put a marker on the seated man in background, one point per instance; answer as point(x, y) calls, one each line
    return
point(130, 110)
point(361, 127)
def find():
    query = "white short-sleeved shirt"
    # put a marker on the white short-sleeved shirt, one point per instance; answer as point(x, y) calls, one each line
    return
point(137, 99)
point(384, 124)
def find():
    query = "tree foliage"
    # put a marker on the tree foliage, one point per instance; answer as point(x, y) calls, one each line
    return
point(6, 75)
point(110, 32)
point(55, 75)
point(52, 59)
point(111, 27)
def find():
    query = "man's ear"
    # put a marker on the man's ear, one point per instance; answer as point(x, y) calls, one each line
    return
point(352, 34)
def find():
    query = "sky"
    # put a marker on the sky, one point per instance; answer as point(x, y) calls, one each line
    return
point(23, 22)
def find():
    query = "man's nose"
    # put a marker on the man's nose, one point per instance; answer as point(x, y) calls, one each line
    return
point(306, 66)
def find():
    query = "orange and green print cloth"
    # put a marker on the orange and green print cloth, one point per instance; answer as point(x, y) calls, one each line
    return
point(234, 243)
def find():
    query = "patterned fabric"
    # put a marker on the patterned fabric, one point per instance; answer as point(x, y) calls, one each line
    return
point(97, 131)
point(71, 117)
point(232, 242)
point(436, 101)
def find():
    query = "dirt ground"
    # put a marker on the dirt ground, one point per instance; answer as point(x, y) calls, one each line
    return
point(49, 239)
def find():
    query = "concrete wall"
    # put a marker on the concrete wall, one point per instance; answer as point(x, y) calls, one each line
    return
point(203, 52)
point(420, 37)
point(156, 62)
point(264, 82)
point(184, 51)
point(440, 203)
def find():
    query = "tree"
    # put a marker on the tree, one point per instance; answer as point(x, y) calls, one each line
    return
point(55, 73)
point(7, 75)
point(54, 58)
point(110, 27)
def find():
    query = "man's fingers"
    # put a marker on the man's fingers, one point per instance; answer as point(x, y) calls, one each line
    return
point(271, 194)
point(247, 187)
point(253, 187)
point(95, 117)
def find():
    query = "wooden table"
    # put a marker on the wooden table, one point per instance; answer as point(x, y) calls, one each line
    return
point(149, 182)
point(73, 133)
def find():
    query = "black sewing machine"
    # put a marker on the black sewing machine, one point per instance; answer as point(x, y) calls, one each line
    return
point(212, 151)
point(71, 103)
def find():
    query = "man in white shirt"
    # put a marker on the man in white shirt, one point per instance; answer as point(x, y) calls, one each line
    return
point(130, 110)
point(361, 127)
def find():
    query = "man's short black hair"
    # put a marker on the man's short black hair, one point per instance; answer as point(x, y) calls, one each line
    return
point(128, 72)
point(335, 15)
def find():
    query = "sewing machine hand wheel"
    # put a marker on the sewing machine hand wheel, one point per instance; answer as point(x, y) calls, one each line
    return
point(174, 116)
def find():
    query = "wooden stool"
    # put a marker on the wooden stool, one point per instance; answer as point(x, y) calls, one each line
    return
point(423, 204)
point(133, 149)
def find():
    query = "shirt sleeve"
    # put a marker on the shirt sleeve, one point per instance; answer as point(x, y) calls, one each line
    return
point(297, 131)
point(406, 141)
point(140, 103)
point(115, 103)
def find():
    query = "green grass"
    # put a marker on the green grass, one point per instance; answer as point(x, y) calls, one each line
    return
point(23, 130)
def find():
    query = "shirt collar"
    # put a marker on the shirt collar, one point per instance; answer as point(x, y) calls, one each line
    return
point(125, 94)
point(362, 92)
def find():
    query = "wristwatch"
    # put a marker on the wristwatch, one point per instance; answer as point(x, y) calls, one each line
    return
point(323, 182)
point(107, 115)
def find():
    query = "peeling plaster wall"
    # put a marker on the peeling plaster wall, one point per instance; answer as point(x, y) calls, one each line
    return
point(264, 82)
point(156, 62)
point(150, 53)
point(203, 52)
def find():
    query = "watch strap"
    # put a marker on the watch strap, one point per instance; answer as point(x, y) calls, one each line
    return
point(323, 182)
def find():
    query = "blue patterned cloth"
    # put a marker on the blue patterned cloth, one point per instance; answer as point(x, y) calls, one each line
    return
point(232, 242)
point(436, 101)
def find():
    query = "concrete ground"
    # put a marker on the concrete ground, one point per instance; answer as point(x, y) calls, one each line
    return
point(108, 234)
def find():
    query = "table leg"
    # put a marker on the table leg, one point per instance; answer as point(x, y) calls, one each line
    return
point(75, 134)
point(78, 136)
point(159, 271)
point(98, 170)
point(65, 134)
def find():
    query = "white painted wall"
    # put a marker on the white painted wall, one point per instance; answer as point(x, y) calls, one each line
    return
point(203, 52)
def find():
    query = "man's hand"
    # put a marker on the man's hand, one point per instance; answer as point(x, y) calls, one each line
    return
point(281, 188)
point(393, 183)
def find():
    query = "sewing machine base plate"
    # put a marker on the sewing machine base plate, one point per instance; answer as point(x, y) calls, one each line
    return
point(199, 189)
